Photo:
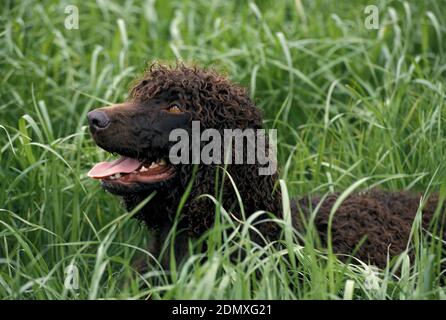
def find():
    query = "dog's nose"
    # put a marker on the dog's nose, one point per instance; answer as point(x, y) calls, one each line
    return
point(98, 120)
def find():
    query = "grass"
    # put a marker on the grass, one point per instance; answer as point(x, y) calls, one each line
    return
point(354, 108)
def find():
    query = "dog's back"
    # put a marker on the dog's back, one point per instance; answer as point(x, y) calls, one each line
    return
point(374, 225)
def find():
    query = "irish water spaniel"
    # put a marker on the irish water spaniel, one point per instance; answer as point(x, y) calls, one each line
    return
point(166, 98)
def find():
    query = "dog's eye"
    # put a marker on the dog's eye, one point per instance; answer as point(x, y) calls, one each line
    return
point(174, 109)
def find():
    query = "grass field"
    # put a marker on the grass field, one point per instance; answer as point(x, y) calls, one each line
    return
point(354, 108)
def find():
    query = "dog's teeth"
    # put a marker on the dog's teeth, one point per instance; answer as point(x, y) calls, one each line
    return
point(162, 162)
point(144, 169)
point(117, 175)
point(153, 165)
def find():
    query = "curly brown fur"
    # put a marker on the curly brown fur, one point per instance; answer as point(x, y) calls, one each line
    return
point(217, 103)
point(380, 221)
point(139, 129)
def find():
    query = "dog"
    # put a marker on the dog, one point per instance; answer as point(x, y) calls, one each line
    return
point(173, 98)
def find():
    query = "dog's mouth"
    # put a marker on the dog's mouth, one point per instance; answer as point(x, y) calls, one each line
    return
point(129, 171)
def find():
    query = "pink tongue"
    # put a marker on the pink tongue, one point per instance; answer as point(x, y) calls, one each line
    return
point(121, 165)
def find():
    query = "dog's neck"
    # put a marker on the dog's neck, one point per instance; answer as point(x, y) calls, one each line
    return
point(197, 215)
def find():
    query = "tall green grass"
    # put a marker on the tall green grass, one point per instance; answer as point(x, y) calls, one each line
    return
point(354, 109)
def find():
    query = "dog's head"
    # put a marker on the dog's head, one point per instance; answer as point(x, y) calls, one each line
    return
point(162, 100)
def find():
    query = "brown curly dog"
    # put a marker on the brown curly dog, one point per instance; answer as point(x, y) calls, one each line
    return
point(167, 98)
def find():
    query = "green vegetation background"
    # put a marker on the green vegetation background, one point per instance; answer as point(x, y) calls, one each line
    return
point(354, 108)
